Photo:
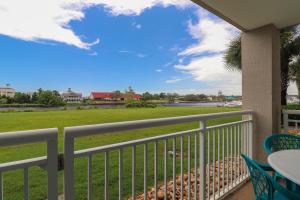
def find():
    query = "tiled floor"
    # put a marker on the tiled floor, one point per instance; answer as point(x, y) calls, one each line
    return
point(243, 193)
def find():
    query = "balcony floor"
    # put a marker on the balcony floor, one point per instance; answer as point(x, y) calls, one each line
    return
point(245, 192)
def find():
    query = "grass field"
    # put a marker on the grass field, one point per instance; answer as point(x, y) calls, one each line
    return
point(13, 181)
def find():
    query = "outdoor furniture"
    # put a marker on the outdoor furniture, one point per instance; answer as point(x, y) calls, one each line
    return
point(266, 187)
point(278, 142)
point(287, 163)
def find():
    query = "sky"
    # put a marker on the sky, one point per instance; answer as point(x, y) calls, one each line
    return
point(104, 45)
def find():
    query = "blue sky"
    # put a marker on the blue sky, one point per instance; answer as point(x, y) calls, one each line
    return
point(174, 46)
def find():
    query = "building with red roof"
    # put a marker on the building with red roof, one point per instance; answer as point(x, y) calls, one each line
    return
point(112, 96)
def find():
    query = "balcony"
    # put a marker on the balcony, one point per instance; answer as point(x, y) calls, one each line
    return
point(204, 163)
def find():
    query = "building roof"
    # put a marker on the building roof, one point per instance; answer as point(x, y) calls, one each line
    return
point(68, 94)
point(102, 95)
point(248, 15)
point(109, 95)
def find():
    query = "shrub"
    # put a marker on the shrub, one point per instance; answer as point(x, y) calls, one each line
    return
point(139, 104)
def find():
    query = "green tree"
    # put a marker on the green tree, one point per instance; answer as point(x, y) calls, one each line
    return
point(147, 96)
point(290, 47)
point(50, 98)
point(162, 95)
point(21, 98)
point(191, 97)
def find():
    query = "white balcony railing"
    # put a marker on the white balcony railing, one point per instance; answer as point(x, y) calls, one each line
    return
point(48, 162)
point(214, 151)
point(203, 163)
point(290, 120)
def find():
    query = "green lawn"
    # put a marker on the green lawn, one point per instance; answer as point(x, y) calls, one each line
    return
point(35, 120)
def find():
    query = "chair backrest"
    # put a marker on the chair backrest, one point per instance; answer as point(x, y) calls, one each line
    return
point(264, 185)
point(263, 188)
point(278, 142)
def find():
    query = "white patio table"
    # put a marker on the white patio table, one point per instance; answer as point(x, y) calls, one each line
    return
point(287, 163)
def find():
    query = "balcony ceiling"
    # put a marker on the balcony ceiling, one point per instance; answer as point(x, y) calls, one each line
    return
point(251, 14)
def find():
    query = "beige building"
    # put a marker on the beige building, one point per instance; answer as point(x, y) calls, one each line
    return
point(7, 91)
point(72, 97)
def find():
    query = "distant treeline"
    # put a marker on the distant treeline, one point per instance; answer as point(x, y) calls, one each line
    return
point(38, 98)
point(171, 97)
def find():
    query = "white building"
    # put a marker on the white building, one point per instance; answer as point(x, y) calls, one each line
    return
point(72, 97)
point(7, 91)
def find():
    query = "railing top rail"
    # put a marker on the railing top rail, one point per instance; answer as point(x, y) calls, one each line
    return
point(291, 112)
point(20, 164)
point(81, 131)
point(26, 137)
point(121, 145)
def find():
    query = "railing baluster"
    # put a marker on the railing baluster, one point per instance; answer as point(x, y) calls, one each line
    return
point(106, 172)
point(133, 171)
point(26, 184)
point(235, 155)
point(214, 163)
point(251, 136)
point(120, 174)
point(227, 159)
point(1, 186)
point(145, 171)
point(181, 167)
point(174, 168)
point(202, 162)
point(239, 152)
point(155, 169)
point(189, 166)
point(223, 163)
point(231, 155)
point(90, 178)
point(166, 168)
point(196, 166)
point(219, 178)
point(208, 163)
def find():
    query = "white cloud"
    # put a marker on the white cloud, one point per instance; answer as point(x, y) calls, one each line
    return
point(48, 20)
point(159, 70)
point(176, 79)
point(211, 70)
point(136, 25)
point(93, 53)
point(204, 59)
point(211, 35)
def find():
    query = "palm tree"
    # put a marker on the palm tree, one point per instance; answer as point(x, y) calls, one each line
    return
point(290, 47)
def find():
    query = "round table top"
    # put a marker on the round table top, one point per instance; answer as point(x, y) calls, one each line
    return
point(287, 163)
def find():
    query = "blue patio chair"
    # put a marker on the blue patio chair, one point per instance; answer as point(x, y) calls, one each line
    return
point(266, 187)
point(279, 142)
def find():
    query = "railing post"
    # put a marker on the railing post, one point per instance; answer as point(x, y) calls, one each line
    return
point(251, 124)
point(69, 167)
point(203, 160)
point(52, 168)
point(285, 121)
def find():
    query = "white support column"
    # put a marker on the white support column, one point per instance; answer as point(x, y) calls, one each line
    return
point(262, 83)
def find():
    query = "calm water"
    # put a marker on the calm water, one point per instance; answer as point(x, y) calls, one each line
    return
point(203, 104)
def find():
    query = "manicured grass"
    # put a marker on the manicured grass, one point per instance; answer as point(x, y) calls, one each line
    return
point(36, 120)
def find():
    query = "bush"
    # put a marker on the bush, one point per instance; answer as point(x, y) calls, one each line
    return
point(139, 104)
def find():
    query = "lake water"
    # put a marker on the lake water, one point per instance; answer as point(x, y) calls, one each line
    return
point(201, 104)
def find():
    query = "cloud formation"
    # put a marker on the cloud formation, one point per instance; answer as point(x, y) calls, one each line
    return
point(204, 59)
point(48, 20)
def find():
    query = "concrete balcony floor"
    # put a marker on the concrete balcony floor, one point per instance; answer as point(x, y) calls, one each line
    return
point(245, 192)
